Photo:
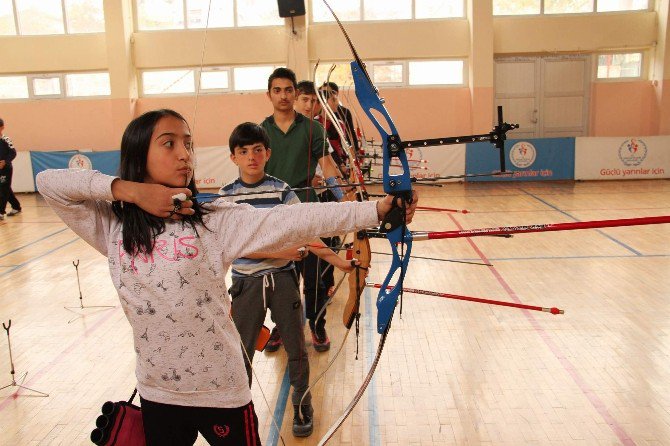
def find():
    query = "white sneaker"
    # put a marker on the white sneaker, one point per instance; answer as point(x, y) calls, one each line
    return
point(13, 212)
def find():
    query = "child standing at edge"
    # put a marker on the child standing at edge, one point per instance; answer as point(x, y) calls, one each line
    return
point(167, 260)
point(268, 280)
point(7, 154)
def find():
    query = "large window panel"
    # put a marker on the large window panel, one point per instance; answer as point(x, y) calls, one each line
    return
point(13, 87)
point(7, 25)
point(258, 13)
point(387, 10)
point(160, 14)
point(387, 73)
point(567, 6)
point(85, 16)
point(439, 72)
point(39, 17)
point(516, 7)
point(615, 66)
point(46, 86)
point(430, 9)
point(168, 82)
point(221, 13)
point(214, 80)
point(346, 10)
point(622, 5)
point(252, 78)
point(341, 75)
point(87, 84)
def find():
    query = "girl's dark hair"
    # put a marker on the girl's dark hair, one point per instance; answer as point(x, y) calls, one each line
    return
point(140, 228)
point(248, 133)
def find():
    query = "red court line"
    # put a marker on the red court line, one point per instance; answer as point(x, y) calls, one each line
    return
point(590, 394)
point(59, 358)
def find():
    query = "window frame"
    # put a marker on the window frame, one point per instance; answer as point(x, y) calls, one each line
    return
point(17, 99)
point(66, 26)
point(31, 86)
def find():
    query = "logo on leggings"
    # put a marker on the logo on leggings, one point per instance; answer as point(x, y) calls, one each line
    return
point(221, 431)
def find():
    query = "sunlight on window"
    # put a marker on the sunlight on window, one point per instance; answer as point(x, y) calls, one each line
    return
point(614, 66)
point(84, 16)
point(160, 14)
point(386, 10)
point(252, 78)
point(214, 80)
point(38, 17)
point(387, 74)
point(87, 84)
point(346, 10)
point(220, 13)
point(622, 5)
point(433, 9)
point(341, 75)
point(46, 86)
point(516, 7)
point(442, 72)
point(258, 13)
point(168, 82)
point(7, 26)
point(567, 6)
point(13, 87)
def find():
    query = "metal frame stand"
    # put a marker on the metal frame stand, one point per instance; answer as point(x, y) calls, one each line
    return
point(13, 372)
point(81, 299)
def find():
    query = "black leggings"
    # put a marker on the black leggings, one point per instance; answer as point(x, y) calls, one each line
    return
point(170, 425)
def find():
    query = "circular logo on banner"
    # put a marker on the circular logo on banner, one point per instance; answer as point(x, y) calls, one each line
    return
point(632, 152)
point(522, 154)
point(80, 161)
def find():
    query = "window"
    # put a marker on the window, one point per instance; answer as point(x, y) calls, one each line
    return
point(387, 73)
point(527, 7)
point(40, 17)
point(180, 14)
point(168, 82)
point(356, 10)
point(87, 84)
point(341, 75)
point(438, 72)
point(84, 16)
point(13, 87)
point(252, 78)
point(214, 80)
point(46, 86)
point(615, 66)
point(7, 25)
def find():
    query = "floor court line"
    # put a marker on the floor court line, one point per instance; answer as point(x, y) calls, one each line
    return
point(560, 356)
point(27, 262)
point(636, 252)
point(32, 243)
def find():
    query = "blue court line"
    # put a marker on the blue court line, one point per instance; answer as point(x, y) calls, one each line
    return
point(620, 243)
point(280, 408)
point(32, 243)
point(21, 265)
point(373, 418)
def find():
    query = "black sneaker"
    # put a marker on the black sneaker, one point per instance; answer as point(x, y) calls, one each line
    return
point(274, 342)
point(320, 339)
point(13, 212)
point(303, 427)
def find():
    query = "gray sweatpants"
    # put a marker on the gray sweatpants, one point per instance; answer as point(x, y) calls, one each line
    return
point(280, 293)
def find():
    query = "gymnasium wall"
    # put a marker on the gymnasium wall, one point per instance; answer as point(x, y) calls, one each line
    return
point(639, 107)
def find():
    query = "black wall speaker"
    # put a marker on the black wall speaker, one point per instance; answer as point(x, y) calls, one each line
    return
point(291, 8)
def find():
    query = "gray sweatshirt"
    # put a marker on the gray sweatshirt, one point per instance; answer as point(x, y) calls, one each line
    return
point(187, 348)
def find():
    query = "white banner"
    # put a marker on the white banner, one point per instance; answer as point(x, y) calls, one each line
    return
point(22, 178)
point(622, 158)
point(214, 167)
point(427, 162)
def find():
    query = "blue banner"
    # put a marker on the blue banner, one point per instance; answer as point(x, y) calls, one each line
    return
point(105, 162)
point(526, 159)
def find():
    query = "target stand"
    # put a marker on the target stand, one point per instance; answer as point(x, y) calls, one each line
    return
point(82, 307)
point(19, 385)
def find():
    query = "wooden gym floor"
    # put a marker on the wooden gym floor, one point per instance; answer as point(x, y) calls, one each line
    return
point(452, 372)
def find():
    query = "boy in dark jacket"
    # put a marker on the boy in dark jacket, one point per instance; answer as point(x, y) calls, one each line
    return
point(7, 154)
